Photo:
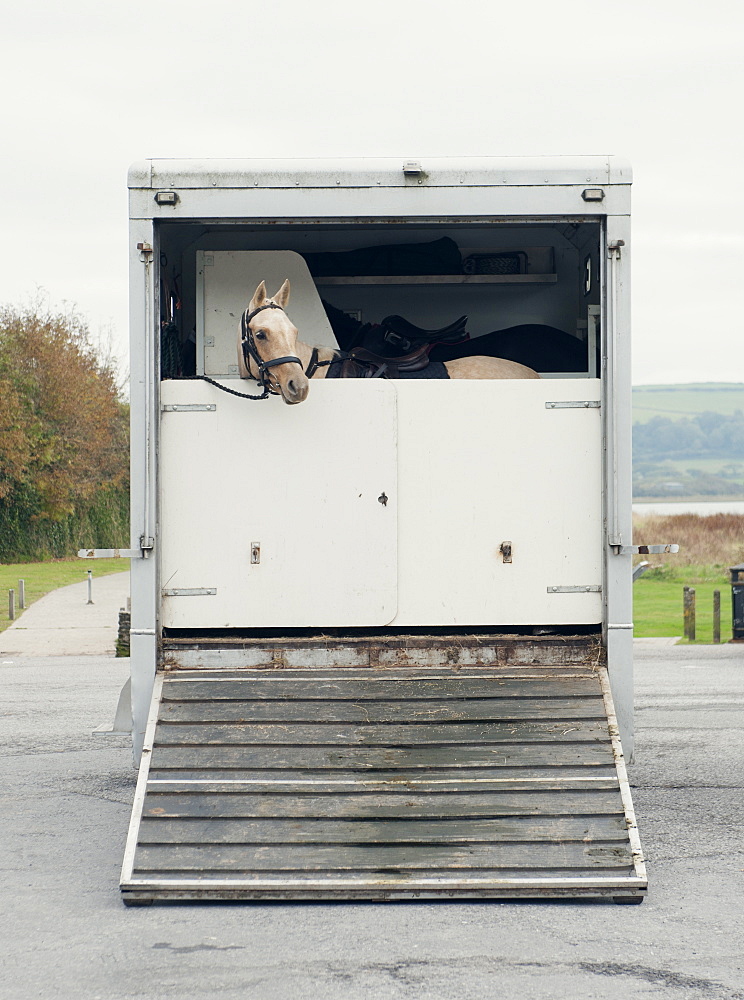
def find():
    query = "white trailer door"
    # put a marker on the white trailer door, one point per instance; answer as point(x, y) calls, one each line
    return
point(278, 516)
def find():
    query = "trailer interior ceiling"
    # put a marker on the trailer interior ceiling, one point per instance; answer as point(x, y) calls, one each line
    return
point(542, 283)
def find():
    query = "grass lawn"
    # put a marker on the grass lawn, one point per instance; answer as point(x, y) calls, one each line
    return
point(657, 602)
point(657, 596)
point(42, 577)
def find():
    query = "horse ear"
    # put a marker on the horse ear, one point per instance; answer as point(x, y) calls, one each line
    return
point(259, 297)
point(282, 296)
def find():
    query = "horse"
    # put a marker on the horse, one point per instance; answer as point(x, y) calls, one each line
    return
point(270, 352)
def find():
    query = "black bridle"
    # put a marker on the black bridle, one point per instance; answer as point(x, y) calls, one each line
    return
point(250, 351)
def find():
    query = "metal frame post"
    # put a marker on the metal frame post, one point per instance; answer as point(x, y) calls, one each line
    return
point(144, 360)
point(617, 419)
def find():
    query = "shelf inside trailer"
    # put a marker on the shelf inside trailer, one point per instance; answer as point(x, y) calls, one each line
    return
point(439, 279)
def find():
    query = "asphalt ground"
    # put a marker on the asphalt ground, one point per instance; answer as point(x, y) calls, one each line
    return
point(65, 798)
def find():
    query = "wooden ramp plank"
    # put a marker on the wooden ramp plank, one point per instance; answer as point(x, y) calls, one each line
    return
point(442, 710)
point(452, 830)
point(432, 757)
point(370, 688)
point(353, 857)
point(416, 781)
point(382, 734)
point(379, 805)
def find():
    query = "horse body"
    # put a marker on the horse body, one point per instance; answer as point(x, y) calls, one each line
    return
point(274, 336)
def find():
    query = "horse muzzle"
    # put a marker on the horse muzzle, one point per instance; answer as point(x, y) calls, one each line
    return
point(295, 389)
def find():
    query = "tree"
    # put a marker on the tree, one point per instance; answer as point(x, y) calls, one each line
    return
point(63, 427)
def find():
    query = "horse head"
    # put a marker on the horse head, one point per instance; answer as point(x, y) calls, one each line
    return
point(268, 342)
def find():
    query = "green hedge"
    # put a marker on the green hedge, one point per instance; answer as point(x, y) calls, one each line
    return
point(27, 536)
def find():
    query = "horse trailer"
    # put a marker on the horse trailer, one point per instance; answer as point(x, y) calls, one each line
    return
point(381, 642)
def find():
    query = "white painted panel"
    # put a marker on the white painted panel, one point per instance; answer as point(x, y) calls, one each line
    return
point(303, 481)
point(229, 280)
point(485, 462)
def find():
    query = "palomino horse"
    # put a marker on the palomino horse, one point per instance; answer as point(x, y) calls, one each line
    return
point(270, 352)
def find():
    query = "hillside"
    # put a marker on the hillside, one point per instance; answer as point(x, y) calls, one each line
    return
point(688, 441)
point(686, 400)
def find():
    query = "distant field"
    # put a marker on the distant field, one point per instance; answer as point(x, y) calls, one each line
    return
point(675, 401)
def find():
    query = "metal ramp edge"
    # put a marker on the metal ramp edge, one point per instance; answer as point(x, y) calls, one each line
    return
point(392, 784)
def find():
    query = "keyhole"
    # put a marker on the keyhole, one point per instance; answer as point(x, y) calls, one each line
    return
point(382, 498)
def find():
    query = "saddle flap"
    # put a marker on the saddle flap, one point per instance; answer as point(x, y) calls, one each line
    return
point(412, 362)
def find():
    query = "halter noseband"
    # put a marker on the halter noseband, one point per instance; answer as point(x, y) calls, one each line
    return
point(250, 351)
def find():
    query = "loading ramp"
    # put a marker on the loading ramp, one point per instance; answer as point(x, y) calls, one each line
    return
point(433, 767)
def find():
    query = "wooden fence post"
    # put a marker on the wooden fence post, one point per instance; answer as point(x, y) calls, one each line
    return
point(716, 616)
point(691, 595)
point(11, 605)
point(686, 611)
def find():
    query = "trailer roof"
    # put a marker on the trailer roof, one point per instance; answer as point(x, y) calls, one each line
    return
point(384, 172)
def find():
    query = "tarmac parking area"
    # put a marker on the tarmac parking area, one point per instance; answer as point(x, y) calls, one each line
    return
point(66, 799)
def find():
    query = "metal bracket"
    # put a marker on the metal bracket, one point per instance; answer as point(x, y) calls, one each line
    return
point(255, 553)
point(593, 589)
point(614, 249)
point(109, 553)
point(187, 407)
point(573, 404)
point(506, 551)
point(644, 550)
point(191, 592)
point(146, 252)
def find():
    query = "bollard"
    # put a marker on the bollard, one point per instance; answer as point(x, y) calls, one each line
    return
point(90, 586)
point(22, 594)
point(737, 602)
point(686, 611)
point(716, 616)
point(11, 605)
point(691, 618)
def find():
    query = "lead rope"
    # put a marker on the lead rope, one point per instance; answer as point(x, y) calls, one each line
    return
point(205, 378)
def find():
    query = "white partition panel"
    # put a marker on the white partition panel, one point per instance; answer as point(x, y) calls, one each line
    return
point(481, 463)
point(470, 467)
point(296, 489)
point(226, 281)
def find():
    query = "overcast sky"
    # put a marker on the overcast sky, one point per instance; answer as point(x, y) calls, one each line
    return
point(87, 88)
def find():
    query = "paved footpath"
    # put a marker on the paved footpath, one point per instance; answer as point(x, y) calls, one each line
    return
point(65, 801)
point(62, 623)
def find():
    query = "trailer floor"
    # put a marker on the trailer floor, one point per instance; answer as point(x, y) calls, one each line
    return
point(490, 781)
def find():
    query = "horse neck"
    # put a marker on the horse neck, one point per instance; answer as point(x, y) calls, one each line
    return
point(304, 353)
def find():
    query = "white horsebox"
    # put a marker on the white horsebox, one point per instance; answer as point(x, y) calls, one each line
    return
point(381, 641)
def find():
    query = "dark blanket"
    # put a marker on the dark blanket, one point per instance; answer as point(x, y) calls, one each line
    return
point(436, 257)
point(544, 348)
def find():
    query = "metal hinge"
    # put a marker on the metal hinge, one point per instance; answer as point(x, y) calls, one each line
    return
point(191, 592)
point(573, 404)
point(590, 589)
point(187, 407)
point(146, 252)
point(109, 554)
point(614, 249)
point(645, 550)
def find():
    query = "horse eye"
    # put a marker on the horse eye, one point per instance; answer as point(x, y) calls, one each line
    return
point(260, 335)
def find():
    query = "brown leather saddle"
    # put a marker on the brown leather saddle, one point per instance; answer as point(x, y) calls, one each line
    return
point(396, 348)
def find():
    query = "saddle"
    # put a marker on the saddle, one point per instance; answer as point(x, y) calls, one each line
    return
point(368, 361)
point(403, 335)
point(390, 349)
